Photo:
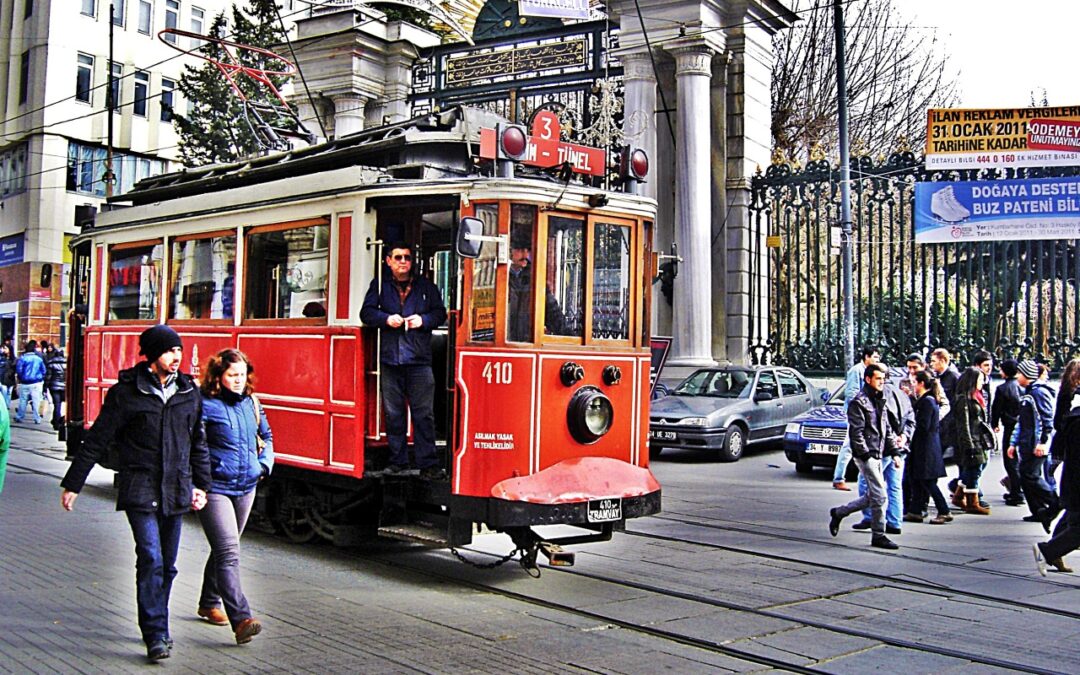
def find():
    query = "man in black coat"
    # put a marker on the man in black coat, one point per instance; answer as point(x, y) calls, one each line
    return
point(154, 415)
point(868, 433)
point(1004, 413)
point(1066, 537)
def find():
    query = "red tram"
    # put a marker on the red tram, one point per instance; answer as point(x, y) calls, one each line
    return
point(542, 399)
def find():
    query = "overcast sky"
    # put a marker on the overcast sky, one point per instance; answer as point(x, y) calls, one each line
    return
point(1006, 49)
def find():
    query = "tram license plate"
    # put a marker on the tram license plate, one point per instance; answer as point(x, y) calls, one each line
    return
point(662, 435)
point(823, 448)
point(604, 510)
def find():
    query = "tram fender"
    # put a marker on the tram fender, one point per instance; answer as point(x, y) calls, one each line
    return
point(579, 479)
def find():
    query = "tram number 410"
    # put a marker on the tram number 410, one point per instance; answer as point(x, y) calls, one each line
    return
point(498, 372)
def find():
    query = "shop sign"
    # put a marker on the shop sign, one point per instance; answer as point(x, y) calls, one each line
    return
point(1002, 138)
point(11, 249)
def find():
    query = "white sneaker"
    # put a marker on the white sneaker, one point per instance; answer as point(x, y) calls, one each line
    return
point(944, 205)
point(1040, 562)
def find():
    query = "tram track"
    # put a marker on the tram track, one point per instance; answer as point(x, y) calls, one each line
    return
point(927, 585)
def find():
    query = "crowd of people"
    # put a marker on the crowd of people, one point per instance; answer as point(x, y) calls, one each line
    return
point(900, 434)
point(39, 370)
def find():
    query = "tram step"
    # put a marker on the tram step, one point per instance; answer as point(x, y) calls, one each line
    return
point(417, 534)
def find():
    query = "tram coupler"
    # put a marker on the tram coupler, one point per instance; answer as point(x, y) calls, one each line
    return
point(557, 556)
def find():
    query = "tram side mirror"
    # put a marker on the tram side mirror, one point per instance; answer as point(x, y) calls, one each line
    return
point(468, 237)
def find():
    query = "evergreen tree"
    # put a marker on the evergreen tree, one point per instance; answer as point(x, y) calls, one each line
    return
point(219, 127)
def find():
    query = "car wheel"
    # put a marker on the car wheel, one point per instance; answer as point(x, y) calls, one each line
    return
point(734, 444)
point(655, 450)
point(803, 467)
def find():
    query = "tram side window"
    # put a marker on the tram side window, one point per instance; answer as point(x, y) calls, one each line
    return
point(286, 273)
point(483, 277)
point(566, 276)
point(135, 282)
point(611, 282)
point(201, 278)
point(519, 297)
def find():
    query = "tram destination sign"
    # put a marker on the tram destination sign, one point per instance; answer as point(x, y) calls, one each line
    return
point(477, 67)
point(999, 210)
point(1002, 138)
point(546, 151)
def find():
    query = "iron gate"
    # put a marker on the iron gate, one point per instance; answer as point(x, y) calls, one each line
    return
point(1017, 299)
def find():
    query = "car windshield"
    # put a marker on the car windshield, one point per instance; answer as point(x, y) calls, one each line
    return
point(895, 377)
point(716, 383)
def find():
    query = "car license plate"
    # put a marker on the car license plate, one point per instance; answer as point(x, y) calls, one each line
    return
point(662, 435)
point(823, 448)
point(605, 510)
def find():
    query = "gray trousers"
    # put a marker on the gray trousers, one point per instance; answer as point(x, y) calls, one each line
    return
point(223, 520)
point(875, 496)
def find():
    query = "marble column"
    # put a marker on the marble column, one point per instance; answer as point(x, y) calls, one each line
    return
point(692, 321)
point(639, 111)
point(348, 114)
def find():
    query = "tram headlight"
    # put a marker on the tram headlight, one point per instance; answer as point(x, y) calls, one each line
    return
point(589, 415)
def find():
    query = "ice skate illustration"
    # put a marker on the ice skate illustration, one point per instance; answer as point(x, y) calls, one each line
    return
point(946, 208)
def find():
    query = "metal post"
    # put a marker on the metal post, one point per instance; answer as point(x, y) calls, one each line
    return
point(110, 106)
point(845, 188)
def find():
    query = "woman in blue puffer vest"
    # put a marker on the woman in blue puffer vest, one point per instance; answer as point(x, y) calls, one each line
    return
point(241, 454)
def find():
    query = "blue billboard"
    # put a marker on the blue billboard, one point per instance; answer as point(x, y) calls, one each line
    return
point(1000, 210)
point(11, 249)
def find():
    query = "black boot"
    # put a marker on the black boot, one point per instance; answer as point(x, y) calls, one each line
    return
point(881, 541)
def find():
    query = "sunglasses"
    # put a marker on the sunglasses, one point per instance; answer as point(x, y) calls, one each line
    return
point(401, 257)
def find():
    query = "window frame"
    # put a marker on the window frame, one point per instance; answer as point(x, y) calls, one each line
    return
point(119, 14)
point(145, 84)
point(196, 42)
point(149, 17)
point(250, 230)
point(24, 77)
point(172, 9)
point(80, 67)
point(127, 245)
point(114, 87)
point(165, 109)
point(168, 281)
point(93, 8)
point(632, 279)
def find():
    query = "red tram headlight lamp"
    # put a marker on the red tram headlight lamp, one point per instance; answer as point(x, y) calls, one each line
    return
point(513, 141)
point(634, 164)
point(589, 415)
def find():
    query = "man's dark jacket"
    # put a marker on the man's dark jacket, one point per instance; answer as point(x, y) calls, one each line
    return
point(901, 418)
point(1036, 419)
point(1070, 472)
point(402, 347)
point(948, 380)
point(162, 446)
point(1006, 406)
point(867, 424)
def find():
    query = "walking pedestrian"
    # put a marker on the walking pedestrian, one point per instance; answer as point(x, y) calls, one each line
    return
point(945, 372)
point(852, 385)
point(7, 374)
point(974, 439)
point(868, 434)
point(1004, 412)
point(925, 464)
point(1070, 382)
point(406, 307)
point(1031, 442)
point(154, 415)
point(1066, 538)
point(56, 381)
point(900, 423)
point(241, 454)
point(30, 374)
point(984, 361)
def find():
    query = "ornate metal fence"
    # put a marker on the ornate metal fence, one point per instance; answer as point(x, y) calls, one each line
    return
point(1015, 298)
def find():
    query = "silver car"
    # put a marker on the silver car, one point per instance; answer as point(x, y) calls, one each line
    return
point(722, 410)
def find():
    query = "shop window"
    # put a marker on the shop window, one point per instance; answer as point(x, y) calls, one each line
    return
point(483, 277)
point(135, 282)
point(286, 273)
point(202, 278)
point(611, 282)
point(566, 277)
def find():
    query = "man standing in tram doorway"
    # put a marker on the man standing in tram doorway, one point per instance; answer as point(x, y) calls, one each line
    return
point(406, 307)
point(154, 415)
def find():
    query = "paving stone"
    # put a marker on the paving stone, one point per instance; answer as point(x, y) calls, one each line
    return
point(815, 644)
point(726, 626)
point(890, 659)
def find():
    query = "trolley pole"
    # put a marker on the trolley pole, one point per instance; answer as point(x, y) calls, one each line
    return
point(845, 189)
point(110, 105)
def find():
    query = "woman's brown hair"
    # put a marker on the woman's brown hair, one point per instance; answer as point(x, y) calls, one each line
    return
point(219, 363)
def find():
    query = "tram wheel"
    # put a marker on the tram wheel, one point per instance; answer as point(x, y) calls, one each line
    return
point(297, 530)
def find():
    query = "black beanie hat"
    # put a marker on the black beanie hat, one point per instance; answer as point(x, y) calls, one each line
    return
point(157, 340)
point(1010, 367)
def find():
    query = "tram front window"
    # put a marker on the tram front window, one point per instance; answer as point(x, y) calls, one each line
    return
point(286, 272)
point(201, 279)
point(565, 276)
point(483, 281)
point(519, 300)
point(611, 282)
point(135, 282)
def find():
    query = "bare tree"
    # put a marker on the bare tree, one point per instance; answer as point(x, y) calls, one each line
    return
point(895, 72)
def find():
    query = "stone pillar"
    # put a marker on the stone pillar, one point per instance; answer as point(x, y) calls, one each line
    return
point(639, 110)
point(348, 114)
point(721, 205)
point(664, 179)
point(692, 321)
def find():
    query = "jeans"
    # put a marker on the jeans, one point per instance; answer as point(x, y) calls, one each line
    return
point(928, 489)
point(31, 392)
point(157, 539)
point(416, 385)
point(223, 520)
point(969, 476)
point(875, 496)
point(1012, 465)
point(842, 460)
point(57, 396)
point(1066, 539)
point(1038, 492)
point(894, 507)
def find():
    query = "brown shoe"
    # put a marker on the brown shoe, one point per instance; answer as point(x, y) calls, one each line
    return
point(941, 519)
point(247, 629)
point(214, 615)
point(972, 505)
point(958, 496)
point(1059, 565)
point(841, 486)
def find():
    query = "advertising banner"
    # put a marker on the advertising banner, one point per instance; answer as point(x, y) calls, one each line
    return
point(1002, 138)
point(11, 250)
point(1000, 210)
point(555, 9)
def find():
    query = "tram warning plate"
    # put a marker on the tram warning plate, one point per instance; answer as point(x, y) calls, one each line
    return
point(605, 510)
point(823, 448)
